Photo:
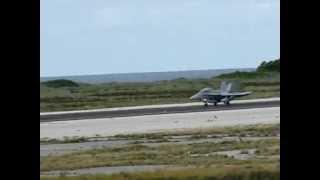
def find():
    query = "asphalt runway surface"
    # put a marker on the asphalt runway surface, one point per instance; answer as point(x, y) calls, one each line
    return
point(156, 109)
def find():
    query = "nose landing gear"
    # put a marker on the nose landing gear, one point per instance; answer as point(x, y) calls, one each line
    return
point(205, 102)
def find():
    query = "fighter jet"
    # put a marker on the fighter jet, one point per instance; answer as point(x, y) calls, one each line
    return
point(228, 91)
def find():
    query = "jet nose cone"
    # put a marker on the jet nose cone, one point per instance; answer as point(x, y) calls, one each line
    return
point(194, 97)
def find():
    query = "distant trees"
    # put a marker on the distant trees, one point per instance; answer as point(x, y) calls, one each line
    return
point(239, 75)
point(271, 66)
point(60, 83)
point(263, 70)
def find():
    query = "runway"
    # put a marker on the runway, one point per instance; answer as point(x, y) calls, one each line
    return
point(159, 123)
point(155, 110)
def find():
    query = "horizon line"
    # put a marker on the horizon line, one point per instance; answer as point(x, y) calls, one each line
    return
point(56, 76)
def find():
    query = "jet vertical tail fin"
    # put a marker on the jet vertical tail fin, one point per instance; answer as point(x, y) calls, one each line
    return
point(223, 86)
point(227, 87)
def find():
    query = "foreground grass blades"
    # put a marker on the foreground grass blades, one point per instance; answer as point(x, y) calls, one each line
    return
point(201, 160)
point(177, 154)
point(221, 172)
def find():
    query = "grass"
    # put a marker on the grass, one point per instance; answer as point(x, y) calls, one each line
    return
point(181, 154)
point(193, 137)
point(65, 140)
point(268, 151)
point(131, 94)
point(220, 172)
point(205, 164)
point(259, 130)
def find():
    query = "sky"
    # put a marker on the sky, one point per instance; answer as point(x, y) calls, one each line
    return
point(82, 37)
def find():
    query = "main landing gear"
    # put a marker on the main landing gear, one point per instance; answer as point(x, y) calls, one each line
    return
point(206, 104)
point(216, 103)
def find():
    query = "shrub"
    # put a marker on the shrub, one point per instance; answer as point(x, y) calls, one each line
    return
point(60, 83)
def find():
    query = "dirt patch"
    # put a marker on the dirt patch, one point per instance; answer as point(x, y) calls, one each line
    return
point(110, 170)
point(60, 149)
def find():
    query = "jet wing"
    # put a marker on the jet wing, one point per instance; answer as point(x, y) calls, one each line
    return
point(235, 94)
point(213, 94)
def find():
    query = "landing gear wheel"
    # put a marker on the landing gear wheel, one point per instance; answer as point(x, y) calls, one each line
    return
point(227, 102)
point(215, 103)
point(205, 104)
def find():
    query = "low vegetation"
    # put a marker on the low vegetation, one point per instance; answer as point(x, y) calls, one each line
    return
point(260, 130)
point(199, 153)
point(197, 160)
point(65, 140)
point(60, 83)
point(220, 172)
point(62, 95)
point(177, 154)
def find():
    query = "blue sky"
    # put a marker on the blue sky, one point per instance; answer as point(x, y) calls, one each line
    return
point(81, 37)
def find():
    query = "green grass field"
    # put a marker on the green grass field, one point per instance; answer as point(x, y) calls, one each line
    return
point(220, 172)
point(263, 163)
point(179, 154)
point(195, 154)
point(263, 85)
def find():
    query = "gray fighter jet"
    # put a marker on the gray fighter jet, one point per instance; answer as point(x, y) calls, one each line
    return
point(228, 91)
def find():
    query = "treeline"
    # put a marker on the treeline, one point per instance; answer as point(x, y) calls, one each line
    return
point(60, 83)
point(271, 66)
point(265, 69)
